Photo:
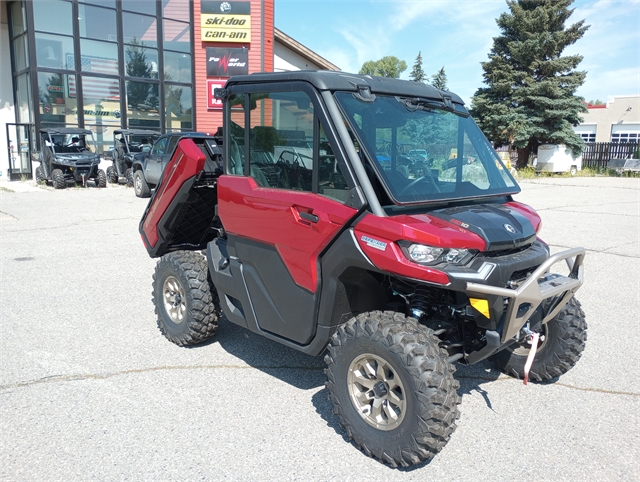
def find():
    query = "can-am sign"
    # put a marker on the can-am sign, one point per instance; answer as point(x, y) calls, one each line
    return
point(227, 62)
point(225, 21)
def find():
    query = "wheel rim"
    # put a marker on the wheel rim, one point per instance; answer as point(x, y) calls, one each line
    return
point(522, 349)
point(376, 391)
point(174, 300)
point(138, 183)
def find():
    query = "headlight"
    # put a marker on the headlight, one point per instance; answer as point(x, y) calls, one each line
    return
point(429, 255)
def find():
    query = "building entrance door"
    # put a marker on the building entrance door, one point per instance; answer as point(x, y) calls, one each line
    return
point(20, 144)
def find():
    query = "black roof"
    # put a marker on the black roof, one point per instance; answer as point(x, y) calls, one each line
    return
point(341, 81)
point(66, 130)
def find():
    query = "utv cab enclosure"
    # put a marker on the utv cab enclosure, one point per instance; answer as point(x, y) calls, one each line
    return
point(127, 144)
point(68, 155)
point(306, 224)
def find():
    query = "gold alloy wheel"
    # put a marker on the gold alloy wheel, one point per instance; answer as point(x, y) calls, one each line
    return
point(376, 391)
point(173, 296)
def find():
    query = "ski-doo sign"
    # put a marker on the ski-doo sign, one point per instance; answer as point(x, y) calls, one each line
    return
point(227, 62)
point(225, 21)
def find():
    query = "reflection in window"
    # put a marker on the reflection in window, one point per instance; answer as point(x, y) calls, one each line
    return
point(178, 105)
point(97, 23)
point(20, 57)
point(141, 61)
point(102, 3)
point(54, 51)
point(176, 9)
point(53, 16)
point(99, 57)
point(56, 103)
point(102, 135)
point(139, 28)
point(237, 129)
point(17, 19)
point(177, 36)
point(177, 67)
point(143, 103)
point(141, 6)
point(101, 100)
point(23, 99)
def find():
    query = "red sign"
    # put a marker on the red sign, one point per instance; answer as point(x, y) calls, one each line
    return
point(212, 102)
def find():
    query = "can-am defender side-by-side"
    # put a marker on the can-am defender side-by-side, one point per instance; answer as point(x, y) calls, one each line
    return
point(68, 155)
point(314, 230)
point(127, 144)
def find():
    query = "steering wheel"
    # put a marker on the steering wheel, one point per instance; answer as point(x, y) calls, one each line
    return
point(416, 181)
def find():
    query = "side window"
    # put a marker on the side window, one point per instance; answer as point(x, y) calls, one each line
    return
point(160, 146)
point(173, 142)
point(236, 144)
point(281, 140)
point(331, 181)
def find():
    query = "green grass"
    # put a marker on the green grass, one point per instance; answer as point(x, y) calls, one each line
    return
point(530, 173)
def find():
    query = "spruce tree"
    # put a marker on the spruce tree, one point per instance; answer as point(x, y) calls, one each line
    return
point(417, 74)
point(439, 80)
point(530, 95)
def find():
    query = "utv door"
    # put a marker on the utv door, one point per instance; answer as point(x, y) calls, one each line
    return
point(284, 207)
point(156, 160)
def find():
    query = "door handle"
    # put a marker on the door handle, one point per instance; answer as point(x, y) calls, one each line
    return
point(308, 216)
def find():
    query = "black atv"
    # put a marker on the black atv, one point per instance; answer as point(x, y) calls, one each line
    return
point(127, 145)
point(68, 155)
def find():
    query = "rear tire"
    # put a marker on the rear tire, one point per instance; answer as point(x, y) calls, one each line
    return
point(57, 176)
point(186, 308)
point(392, 387)
point(573, 171)
point(140, 186)
point(565, 337)
point(101, 179)
point(112, 175)
point(40, 177)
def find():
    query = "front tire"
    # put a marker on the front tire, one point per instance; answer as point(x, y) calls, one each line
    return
point(59, 182)
point(140, 186)
point(112, 175)
point(186, 308)
point(392, 387)
point(128, 174)
point(564, 340)
point(40, 177)
point(101, 179)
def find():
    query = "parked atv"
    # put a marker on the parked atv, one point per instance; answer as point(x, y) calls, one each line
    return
point(68, 155)
point(127, 144)
point(392, 270)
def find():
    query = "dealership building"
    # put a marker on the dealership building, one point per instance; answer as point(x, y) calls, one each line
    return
point(111, 64)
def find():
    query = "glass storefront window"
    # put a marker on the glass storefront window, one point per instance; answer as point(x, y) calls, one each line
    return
point(178, 106)
point(142, 6)
point(99, 57)
point(103, 3)
point(177, 67)
point(53, 16)
point(143, 104)
point(177, 35)
point(57, 98)
point(17, 19)
point(54, 51)
point(23, 99)
point(20, 53)
point(141, 61)
point(103, 136)
point(176, 9)
point(139, 28)
point(101, 100)
point(97, 23)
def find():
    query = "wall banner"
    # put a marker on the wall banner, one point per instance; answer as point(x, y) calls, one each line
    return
point(227, 62)
point(225, 21)
point(212, 102)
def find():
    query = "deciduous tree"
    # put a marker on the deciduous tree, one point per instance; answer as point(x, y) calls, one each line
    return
point(388, 66)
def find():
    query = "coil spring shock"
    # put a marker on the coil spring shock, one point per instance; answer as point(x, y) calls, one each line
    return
point(420, 301)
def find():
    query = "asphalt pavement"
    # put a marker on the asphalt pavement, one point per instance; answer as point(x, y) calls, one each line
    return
point(90, 389)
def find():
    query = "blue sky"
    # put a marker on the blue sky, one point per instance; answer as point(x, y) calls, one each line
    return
point(458, 35)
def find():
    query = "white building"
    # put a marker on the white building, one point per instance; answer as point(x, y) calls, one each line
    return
point(616, 121)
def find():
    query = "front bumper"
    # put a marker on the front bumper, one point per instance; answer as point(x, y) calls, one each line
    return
point(540, 286)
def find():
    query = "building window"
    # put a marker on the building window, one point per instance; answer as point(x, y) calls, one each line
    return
point(57, 98)
point(97, 23)
point(139, 29)
point(143, 104)
point(177, 67)
point(99, 57)
point(625, 137)
point(178, 107)
point(588, 136)
point(141, 6)
point(54, 51)
point(54, 16)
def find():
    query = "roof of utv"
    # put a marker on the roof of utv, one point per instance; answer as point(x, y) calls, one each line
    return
point(341, 81)
point(66, 130)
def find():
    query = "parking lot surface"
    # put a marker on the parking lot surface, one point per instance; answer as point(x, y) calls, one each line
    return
point(90, 389)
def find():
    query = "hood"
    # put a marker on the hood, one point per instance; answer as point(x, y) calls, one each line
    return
point(501, 227)
point(71, 158)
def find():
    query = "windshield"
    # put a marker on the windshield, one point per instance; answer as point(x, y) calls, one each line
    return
point(71, 143)
point(416, 151)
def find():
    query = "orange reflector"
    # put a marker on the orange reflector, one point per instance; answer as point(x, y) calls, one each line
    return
point(480, 305)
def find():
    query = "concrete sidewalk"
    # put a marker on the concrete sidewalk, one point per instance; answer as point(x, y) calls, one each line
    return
point(18, 186)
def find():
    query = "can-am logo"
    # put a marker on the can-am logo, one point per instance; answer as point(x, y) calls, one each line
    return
point(510, 228)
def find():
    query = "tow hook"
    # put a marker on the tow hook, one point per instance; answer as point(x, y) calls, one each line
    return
point(532, 338)
point(83, 180)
